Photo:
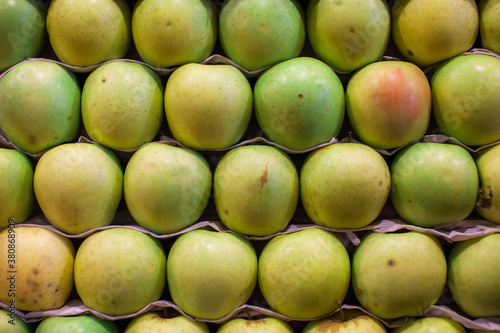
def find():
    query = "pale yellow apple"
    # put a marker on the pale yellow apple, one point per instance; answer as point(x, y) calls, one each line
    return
point(430, 325)
point(170, 33)
point(37, 272)
point(362, 323)
point(264, 325)
point(88, 32)
point(208, 106)
point(489, 24)
point(154, 322)
point(429, 31)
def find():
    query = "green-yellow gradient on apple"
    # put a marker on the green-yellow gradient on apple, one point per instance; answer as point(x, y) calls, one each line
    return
point(349, 34)
point(430, 324)
point(166, 188)
point(122, 104)
point(473, 268)
point(256, 190)
point(12, 323)
point(43, 266)
point(429, 31)
point(208, 106)
point(172, 33)
point(40, 105)
point(88, 32)
point(78, 186)
point(77, 323)
point(16, 187)
point(211, 273)
point(489, 24)
point(360, 323)
point(22, 23)
point(425, 190)
point(264, 325)
point(299, 103)
point(304, 274)
point(119, 271)
point(157, 322)
point(465, 98)
point(344, 185)
point(256, 34)
point(398, 274)
point(488, 167)
point(388, 104)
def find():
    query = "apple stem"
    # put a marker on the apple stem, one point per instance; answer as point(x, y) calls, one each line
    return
point(339, 303)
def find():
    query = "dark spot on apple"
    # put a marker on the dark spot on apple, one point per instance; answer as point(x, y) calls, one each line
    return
point(263, 178)
point(35, 271)
point(256, 321)
point(34, 285)
point(49, 285)
point(169, 23)
point(55, 291)
point(380, 183)
point(410, 53)
point(32, 139)
point(409, 201)
point(390, 263)
point(103, 80)
point(351, 29)
point(301, 96)
point(40, 295)
point(359, 293)
point(226, 211)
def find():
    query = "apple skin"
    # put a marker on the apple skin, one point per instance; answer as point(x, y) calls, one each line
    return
point(166, 188)
point(424, 189)
point(489, 27)
point(119, 271)
point(388, 103)
point(22, 23)
point(299, 103)
point(465, 98)
point(362, 323)
point(208, 106)
point(209, 273)
point(344, 185)
point(429, 31)
point(264, 325)
point(154, 323)
point(16, 187)
point(40, 105)
point(19, 326)
point(304, 274)
point(87, 32)
point(78, 186)
point(348, 35)
point(488, 166)
point(398, 274)
point(171, 33)
point(256, 190)
point(44, 268)
point(122, 104)
point(473, 268)
point(80, 324)
point(256, 34)
point(431, 325)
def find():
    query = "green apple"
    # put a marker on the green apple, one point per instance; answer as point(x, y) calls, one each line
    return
point(256, 34)
point(78, 186)
point(488, 165)
point(37, 272)
point(299, 103)
point(122, 104)
point(264, 325)
point(256, 190)
point(424, 187)
point(465, 98)
point(166, 188)
point(388, 104)
point(398, 274)
point(430, 31)
point(208, 106)
point(80, 324)
point(40, 105)
point(12, 323)
point(489, 24)
point(88, 32)
point(119, 271)
point(473, 268)
point(304, 274)
point(344, 185)
point(210, 273)
point(16, 187)
point(431, 325)
point(348, 35)
point(361, 323)
point(154, 322)
point(171, 33)
point(22, 23)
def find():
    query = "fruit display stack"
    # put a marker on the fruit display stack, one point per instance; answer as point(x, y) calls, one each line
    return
point(249, 166)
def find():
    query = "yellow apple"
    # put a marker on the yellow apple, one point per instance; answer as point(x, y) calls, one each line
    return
point(361, 323)
point(155, 322)
point(488, 165)
point(431, 325)
point(264, 325)
point(489, 24)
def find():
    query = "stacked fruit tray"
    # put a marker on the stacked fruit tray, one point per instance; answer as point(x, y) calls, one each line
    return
point(241, 166)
